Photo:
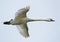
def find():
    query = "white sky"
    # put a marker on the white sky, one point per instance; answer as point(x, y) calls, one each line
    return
point(39, 31)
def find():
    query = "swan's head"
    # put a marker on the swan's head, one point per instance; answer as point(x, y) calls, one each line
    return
point(7, 22)
point(50, 20)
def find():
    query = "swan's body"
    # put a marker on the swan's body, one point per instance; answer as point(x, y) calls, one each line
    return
point(21, 20)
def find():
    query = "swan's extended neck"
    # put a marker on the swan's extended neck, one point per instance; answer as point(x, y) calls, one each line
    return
point(47, 19)
point(39, 19)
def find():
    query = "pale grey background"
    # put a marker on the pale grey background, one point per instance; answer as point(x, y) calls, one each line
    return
point(39, 31)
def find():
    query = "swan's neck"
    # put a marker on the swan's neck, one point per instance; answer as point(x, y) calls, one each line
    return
point(39, 19)
point(43, 19)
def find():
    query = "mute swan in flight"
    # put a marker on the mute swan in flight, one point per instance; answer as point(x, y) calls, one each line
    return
point(21, 20)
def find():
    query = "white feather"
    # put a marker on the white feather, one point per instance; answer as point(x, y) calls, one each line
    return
point(23, 30)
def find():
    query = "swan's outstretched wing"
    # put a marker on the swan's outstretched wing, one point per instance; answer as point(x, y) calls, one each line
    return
point(22, 12)
point(23, 29)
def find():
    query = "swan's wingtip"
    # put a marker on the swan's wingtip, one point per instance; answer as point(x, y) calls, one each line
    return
point(27, 7)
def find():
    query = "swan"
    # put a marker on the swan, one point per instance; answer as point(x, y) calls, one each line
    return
point(21, 20)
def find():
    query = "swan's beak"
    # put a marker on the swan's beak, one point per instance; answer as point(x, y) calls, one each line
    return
point(7, 22)
point(52, 20)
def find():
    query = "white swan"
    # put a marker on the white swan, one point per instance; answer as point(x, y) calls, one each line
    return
point(21, 20)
